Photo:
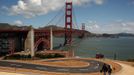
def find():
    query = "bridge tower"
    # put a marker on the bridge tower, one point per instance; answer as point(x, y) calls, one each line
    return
point(68, 23)
point(82, 30)
point(83, 26)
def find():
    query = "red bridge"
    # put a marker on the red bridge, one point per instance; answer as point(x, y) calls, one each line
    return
point(19, 39)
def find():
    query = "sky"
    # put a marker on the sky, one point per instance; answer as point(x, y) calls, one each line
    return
point(99, 16)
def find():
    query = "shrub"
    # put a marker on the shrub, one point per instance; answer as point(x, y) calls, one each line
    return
point(18, 57)
point(59, 55)
point(49, 56)
point(130, 60)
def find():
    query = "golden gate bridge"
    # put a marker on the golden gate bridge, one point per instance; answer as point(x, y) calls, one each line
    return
point(16, 40)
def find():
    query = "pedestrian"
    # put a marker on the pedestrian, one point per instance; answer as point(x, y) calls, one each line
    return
point(109, 69)
point(104, 69)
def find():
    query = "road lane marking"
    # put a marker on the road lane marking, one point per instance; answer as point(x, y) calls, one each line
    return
point(92, 62)
point(16, 65)
point(42, 68)
point(62, 69)
point(83, 69)
point(96, 67)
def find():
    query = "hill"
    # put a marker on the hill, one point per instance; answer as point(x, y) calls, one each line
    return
point(125, 35)
point(6, 26)
point(77, 33)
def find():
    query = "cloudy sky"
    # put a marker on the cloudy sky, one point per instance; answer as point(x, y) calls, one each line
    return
point(99, 16)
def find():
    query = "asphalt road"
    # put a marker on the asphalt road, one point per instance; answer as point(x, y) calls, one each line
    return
point(94, 66)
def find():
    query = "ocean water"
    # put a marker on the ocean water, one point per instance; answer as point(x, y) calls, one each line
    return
point(122, 47)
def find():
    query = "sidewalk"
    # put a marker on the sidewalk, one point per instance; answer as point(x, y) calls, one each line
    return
point(5, 73)
point(126, 70)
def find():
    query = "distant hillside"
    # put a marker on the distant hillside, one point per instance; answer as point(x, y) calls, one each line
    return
point(75, 34)
point(115, 35)
point(125, 34)
point(6, 26)
point(51, 26)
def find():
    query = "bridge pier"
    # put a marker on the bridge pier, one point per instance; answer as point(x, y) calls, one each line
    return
point(51, 39)
point(29, 42)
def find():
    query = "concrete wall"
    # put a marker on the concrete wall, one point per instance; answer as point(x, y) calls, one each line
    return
point(29, 42)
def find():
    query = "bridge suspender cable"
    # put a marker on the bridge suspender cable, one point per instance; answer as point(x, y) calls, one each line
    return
point(58, 13)
point(75, 19)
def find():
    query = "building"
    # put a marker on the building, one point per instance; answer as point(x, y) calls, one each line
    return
point(19, 38)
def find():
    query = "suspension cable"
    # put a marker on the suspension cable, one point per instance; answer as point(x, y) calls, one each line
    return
point(54, 17)
point(60, 19)
point(75, 20)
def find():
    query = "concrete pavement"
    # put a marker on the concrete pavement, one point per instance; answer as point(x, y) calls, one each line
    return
point(126, 70)
point(94, 66)
point(6, 73)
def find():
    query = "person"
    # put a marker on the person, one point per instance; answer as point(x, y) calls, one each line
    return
point(109, 69)
point(104, 69)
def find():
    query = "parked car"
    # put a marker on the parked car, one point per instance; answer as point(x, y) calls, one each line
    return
point(99, 56)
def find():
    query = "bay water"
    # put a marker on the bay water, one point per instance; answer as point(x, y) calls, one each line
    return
point(122, 47)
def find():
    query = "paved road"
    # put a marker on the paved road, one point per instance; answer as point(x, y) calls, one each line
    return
point(126, 70)
point(94, 66)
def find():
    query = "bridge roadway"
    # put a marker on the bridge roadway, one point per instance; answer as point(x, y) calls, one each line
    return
point(94, 66)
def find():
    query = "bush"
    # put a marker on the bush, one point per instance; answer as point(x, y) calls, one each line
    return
point(49, 56)
point(130, 60)
point(59, 55)
point(24, 57)
point(18, 57)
